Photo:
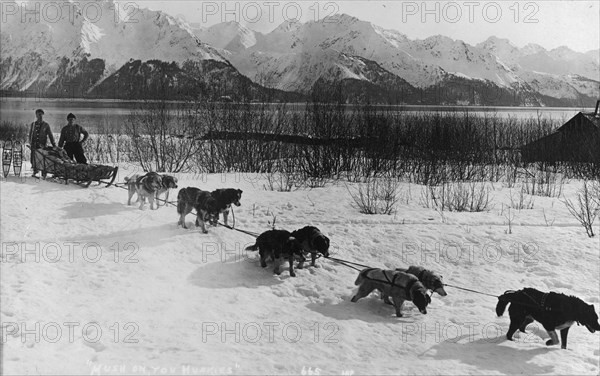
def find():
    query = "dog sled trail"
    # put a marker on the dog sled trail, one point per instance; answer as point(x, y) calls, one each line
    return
point(181, 293)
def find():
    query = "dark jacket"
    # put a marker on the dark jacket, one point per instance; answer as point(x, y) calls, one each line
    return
point(72, 134)
point(39, 133)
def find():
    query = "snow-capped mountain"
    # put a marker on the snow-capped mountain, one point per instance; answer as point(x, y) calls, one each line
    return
point(295, 55)
point(533, 58)
point(422, 63)
point(54, 56)
point(230, 36)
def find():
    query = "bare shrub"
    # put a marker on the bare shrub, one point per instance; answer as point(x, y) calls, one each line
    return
point(13, 131)
point(284, 177)
point(520, 200)
point(510, 217)
point(457, 196)
point(163, 135)
point(596, 191)
point(377, 195)
point(544, 183)
point(586, 207)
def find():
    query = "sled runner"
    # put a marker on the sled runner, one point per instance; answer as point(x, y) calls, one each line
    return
point(7, 152)
point(56, 162)
point(17, 157)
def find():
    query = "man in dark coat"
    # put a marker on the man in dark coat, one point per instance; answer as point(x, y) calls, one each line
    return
point(39, 134)
point(70, 136)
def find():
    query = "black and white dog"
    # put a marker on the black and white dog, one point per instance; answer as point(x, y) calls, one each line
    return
point(313, 241)
point(225, 197)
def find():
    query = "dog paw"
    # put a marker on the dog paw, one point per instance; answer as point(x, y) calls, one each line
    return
point(550, 343)
point(399, 315)
point(353, 300)
point(293, 274)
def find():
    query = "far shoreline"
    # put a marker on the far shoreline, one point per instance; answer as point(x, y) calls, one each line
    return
point(405, 106)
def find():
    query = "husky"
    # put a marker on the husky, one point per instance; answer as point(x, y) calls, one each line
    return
point(313, 242)
point(207, 208)
point(146, 186)
point(225, 197)
point(400, 286)
point(168, 182)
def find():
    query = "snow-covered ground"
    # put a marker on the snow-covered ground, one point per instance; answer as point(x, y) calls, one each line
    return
point(93, 286)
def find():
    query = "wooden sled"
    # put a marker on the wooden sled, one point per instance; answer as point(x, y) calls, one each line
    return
point(55, 161)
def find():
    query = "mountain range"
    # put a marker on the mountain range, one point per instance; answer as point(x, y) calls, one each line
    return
point(163, 56)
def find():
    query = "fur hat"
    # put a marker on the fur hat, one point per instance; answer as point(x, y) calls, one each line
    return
point(39, 110)
point(71, 116)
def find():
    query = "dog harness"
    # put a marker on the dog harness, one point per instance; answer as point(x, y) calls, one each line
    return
point(542, 303)
point(409, 286)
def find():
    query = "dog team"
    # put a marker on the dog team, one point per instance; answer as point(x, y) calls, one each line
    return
point(555, 311)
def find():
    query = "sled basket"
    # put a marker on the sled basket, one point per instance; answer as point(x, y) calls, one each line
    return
point(56, 162)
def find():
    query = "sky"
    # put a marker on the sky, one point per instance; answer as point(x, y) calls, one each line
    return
point(551, 24)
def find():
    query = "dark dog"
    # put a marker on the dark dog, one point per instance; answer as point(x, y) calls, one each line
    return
point(554, 311)
point(207, 208)
point(277, 244)
point(168, 182)
point(399, 285)
point(313, 242)
point(225, 197)
point(146, 186)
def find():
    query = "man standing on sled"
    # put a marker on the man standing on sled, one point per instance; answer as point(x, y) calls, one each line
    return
point(70, 136)
point(38, 136)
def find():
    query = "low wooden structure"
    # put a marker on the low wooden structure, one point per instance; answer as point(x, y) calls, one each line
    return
point(578, 140)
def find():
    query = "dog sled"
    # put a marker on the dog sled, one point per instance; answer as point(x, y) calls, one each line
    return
point(55, 161)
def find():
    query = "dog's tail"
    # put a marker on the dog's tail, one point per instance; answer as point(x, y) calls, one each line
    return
point(503, 301)
point(362, 275)
point(252, 247)
point(181, 198)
